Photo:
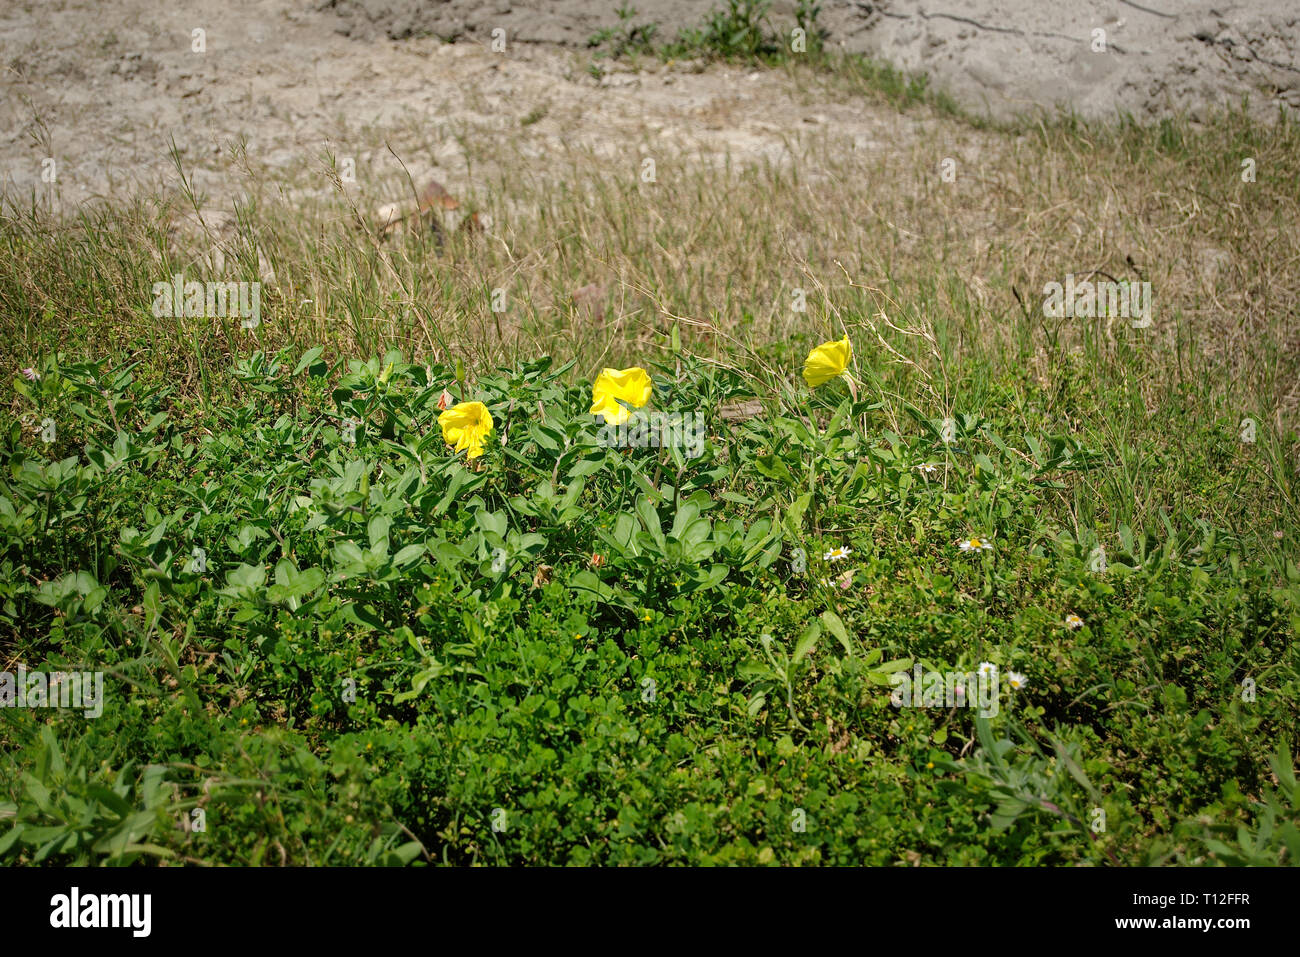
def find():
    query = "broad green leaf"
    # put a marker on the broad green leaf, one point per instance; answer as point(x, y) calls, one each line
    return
point(807, 641)
point(408, 554)
point(308, 357)
point(836, 627)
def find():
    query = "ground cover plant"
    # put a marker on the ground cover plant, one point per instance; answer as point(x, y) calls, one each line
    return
point(343, 643)
point(368, 581)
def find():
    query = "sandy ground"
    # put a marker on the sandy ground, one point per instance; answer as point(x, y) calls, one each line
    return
point(94, 92)
point(278, 87)
point(1003, 56)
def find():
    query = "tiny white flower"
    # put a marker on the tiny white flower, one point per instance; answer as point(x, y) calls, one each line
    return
point(928, 468)
point(975, 545)
point(1073, 621)
point(835, 554)
point(843, 580)
point(1016, 680)
point(988, 669)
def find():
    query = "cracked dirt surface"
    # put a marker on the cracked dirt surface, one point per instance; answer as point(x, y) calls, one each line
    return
point(1003, 56)
point(1159, 58)
point(102, 89)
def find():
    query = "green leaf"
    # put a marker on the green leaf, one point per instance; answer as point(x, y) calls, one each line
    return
point(807, 641)
point(1005, 815)
point(308, 357)
point(711, 578)
point(7, 839)
point(408, 554)
point(107, 797)
point(378, 532)
point(774, 468)
point(650, 519)
point(1283, 767)
point(248, 576)
point(37, 792)
point(1290, 836)
point(685, 516)
point(403, 855)
point(793, 517)
point(586, 467)
point(435, 669)
point(836, 627)
point(588, 587)
point(493, 522)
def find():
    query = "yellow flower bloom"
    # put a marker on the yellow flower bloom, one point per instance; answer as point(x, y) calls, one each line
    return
point(465, 426)
point(633, 386)
point(828, 360)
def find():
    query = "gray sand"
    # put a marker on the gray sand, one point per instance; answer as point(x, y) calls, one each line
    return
point(100, 88)
point(1151, 59)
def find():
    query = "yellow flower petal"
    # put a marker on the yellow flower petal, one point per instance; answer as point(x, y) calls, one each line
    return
point(465, 426)
point(632, 386)
point(609, 409)
point(828, 360)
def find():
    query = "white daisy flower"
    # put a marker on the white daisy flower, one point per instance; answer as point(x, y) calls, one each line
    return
point(987, 669)
point(975, 545)
point(1073, 621)
point(928, 468)
point(835, 554)
point(1016, 680)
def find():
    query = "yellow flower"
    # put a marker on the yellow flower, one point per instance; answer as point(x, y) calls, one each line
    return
point(465, 425)
point(828, 360)
point(633, 386)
